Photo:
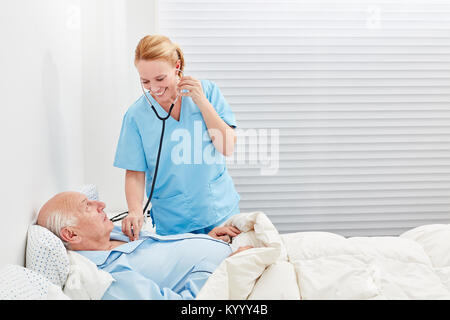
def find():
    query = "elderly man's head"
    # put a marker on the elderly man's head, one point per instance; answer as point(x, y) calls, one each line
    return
point(79, 222)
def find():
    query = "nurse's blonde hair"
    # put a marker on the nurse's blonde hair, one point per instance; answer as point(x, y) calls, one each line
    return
point(159, 47)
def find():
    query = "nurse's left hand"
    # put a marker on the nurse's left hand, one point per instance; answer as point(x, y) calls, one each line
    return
point(193, 87)
point(224, 233)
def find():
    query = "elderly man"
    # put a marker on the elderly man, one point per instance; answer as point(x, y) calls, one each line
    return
point(152, 267)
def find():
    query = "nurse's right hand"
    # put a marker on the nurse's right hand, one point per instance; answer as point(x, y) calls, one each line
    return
point(132, 224)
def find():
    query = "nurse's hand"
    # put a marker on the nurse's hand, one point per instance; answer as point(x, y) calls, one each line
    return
point(224, 233)
point(193, 87)
point(132, 224)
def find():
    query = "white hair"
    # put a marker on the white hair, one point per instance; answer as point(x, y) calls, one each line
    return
point(57, 220)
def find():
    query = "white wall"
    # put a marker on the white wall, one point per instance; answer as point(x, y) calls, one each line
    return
point(40, 89)
point(67, 79)
point(110, 33)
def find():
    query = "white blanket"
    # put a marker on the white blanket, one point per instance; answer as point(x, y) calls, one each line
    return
point(322, 265)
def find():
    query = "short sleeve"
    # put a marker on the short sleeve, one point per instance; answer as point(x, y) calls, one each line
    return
point(130, 153)
point(219, 103)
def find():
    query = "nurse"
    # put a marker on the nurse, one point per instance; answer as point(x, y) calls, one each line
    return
point(193, 191)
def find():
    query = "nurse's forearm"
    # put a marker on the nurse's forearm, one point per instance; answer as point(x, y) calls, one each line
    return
point(222, 135)
point(134, 190)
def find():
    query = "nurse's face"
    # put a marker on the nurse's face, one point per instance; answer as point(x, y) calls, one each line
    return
point(160, 77)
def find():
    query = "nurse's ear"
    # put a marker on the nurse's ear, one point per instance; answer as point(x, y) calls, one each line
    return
point(178, 67)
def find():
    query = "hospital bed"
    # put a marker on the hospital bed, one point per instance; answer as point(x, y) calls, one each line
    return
point(302, 265)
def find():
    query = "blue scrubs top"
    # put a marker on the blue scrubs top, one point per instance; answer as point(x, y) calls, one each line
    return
point(193, 188)
point(159, 267)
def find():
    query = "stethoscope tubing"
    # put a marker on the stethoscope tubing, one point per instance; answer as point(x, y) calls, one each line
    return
point(122, 215)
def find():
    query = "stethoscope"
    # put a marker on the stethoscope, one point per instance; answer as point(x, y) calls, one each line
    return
point(122, 215)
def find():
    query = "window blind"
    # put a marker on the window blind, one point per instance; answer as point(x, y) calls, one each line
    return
point(343, 108)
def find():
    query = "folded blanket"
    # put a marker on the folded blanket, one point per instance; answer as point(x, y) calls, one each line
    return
point(323, 265)
point(250, 274)
point(85, 281)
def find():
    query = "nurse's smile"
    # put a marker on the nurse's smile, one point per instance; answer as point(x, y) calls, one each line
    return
point(159, 91)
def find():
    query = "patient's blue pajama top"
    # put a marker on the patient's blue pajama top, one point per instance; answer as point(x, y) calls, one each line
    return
point(193, 188)
point(159, 267)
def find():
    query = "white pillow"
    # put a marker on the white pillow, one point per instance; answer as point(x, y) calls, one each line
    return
point(90, 190)
point(19, 283)
point(85, 280)
point(76, 275)
point(46, 255)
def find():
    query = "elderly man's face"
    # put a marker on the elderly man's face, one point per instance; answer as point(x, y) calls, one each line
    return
point(92, 220)
point(92, 225)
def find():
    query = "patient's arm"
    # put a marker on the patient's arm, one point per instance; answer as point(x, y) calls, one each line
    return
point(224, 233)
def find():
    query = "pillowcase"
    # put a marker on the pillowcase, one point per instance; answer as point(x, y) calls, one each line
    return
point(77, 276)
point(19, 283)
point(46, 255)
point(90, 190)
